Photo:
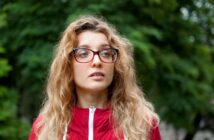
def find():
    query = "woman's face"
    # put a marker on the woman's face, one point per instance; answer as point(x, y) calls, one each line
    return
point(95, 75)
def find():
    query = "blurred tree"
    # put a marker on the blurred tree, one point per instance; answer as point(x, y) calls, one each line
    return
point(173, 42)
point(11, 127)
point(32, 31)
point(29, 31)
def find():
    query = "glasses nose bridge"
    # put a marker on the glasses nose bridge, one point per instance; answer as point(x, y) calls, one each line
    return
point(96, 53)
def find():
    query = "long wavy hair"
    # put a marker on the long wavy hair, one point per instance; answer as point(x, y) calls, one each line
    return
point(133, 115)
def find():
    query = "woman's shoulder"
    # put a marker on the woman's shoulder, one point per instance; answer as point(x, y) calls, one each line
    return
point(32, 135)
point(155, 132)
point(38, 119)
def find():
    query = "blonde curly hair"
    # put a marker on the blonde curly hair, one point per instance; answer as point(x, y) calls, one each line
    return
point(132, 113)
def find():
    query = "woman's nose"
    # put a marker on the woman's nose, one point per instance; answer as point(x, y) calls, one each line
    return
point(96, 60)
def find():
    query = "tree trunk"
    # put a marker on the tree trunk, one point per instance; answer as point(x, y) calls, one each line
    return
point(196, 123)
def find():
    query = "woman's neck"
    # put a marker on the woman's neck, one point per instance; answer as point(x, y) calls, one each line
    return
point(96, 99)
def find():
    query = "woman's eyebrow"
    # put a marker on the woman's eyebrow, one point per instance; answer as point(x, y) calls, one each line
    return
point(83, 46)
point(105, 45)
point(100, 46)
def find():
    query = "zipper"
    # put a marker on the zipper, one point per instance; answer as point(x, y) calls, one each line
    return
point(91, 123)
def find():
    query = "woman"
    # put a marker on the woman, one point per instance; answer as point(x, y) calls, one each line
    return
point(92, 91)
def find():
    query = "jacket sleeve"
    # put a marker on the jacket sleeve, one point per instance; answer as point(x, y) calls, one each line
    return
point(32, 135)
point(155, 135)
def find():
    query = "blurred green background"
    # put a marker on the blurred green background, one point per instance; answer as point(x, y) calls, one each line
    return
point(174, 53)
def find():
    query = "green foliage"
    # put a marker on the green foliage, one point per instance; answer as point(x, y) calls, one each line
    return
point(173, 43)
point(11, 127)
point(5, 67)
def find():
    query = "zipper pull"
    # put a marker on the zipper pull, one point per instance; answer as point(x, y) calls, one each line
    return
point(92, 109)
point(91, 123)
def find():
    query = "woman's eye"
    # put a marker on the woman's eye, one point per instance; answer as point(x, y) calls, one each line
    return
point(82, 54)
point(106, 53)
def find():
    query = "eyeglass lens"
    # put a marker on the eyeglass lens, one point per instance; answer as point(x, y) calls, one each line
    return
point(85, 55)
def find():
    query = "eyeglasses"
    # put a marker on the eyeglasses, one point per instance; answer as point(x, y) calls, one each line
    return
point(84, 55)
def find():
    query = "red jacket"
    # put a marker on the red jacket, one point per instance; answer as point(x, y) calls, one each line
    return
point(92, 124)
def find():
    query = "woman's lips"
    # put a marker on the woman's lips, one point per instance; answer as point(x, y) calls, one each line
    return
point(97, 75)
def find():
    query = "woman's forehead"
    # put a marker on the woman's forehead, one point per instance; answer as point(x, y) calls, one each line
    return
point(90, 39)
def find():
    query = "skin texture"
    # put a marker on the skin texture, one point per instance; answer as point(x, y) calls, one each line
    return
point(92, 90)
